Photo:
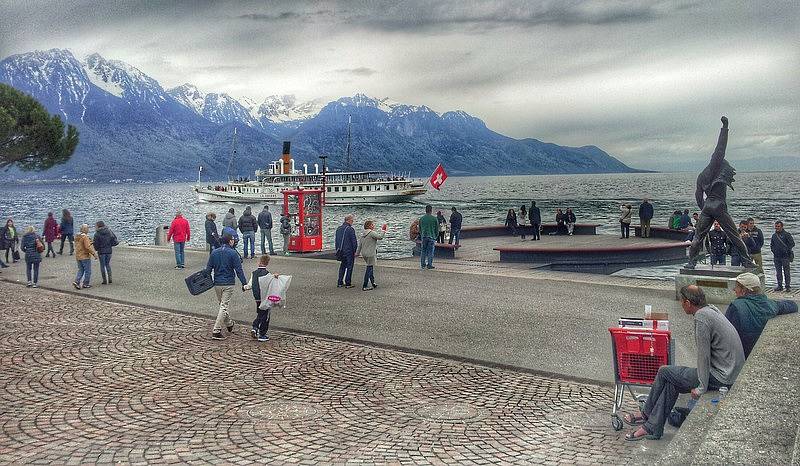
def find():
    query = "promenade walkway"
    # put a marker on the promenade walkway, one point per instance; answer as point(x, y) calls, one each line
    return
point(549, 323)
point(88, 381)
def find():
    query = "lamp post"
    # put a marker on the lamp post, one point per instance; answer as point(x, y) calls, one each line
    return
point(324, 177)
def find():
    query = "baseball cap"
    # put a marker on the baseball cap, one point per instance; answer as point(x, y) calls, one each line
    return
point(749, 281)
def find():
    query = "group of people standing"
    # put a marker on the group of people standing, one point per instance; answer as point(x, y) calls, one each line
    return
point(32, 245)
point(348, 247)
point(247, 225)
point(517, 223)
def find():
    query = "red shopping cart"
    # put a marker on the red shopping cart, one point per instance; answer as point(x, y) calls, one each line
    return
point(638, 353)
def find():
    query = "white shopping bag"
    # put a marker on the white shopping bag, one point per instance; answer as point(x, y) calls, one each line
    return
point(273, 290)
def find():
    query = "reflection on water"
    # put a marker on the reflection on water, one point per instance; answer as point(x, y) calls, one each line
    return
point(134, 211)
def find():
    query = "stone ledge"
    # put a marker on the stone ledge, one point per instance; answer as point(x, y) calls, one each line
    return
point(759, 421)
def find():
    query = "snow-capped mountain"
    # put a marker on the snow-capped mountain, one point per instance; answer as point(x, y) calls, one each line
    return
point(131, 127)
point(219, 108)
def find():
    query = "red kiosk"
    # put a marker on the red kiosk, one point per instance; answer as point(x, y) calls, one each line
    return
point(304, 207)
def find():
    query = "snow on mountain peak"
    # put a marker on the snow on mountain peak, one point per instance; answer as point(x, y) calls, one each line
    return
point(123, 80)
point(285, 108)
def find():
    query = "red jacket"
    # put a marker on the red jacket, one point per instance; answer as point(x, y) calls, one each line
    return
point(179, 230)
point(50, 229)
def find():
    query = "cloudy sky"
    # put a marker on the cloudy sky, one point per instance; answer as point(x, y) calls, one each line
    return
point(645, 81)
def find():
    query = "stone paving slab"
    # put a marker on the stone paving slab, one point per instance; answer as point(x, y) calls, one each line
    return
point(87, 381)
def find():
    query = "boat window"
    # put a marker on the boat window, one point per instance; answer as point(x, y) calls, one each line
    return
point(378, 188)
point(329, 189)
point(395, 186)
point(367, 188)
point(336, 189)
point(387, 187)
point(360, 188)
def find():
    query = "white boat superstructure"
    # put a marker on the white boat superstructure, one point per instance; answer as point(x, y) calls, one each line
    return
point(352, 187)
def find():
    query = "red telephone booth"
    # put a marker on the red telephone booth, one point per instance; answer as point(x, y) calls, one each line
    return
point(304, 207)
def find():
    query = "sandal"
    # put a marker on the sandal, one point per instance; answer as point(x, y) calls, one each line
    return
point(632, 437)
point(633, 420)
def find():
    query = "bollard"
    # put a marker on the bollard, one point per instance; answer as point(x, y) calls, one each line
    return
point(161, 235)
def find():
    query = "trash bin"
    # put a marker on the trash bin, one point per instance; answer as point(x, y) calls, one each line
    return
point(161, 235)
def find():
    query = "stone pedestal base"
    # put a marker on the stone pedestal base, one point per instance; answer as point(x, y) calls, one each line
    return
point(717, 282)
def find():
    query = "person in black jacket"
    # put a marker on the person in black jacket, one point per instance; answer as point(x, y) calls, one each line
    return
point(265, 224)
point(261, 324)
point(645, 216)
point(346, 245)
point(758, 239)
point(744, 235)
point(781, 246)
point(248, 225)
point(104, 240)
point(455, 226)
point(571, 219)
point(535, 215)
point(511, 222)
point(718, 241)
point(212, 236)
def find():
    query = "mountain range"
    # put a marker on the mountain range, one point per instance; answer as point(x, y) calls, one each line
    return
point(131, 128)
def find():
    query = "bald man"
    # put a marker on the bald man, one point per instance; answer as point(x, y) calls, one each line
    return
point(719, 359)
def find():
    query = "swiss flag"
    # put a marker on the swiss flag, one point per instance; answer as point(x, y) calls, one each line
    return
point(438, 177)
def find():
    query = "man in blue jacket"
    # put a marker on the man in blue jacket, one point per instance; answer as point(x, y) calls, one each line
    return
point(645, 216)
point(455, 226)
point(346, 245)
point(226, 266)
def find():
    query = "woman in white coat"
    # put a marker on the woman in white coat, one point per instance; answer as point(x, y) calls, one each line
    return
point(368, 249)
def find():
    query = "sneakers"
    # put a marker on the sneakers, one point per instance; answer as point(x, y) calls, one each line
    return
point(349, 286)
point(217, 336)
point(177, 267)
point(374, 285)
point(87, 286)
point(366, 289)
point(254, 333)
point(76, 285)
point(29, 284)
point(230, 328)
point(263, 338)
point(788, 288)
point(431, 267)
point(34, 286)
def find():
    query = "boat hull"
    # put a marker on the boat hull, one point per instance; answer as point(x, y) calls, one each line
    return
point(276, 197)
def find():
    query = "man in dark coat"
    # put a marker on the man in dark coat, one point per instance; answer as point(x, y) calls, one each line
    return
point(455, 226)
point(711, 193)
point(781, 245)
point(346, 246)
point(265, 223)
point(536, 220)
point(718, 245)
point(645, 216)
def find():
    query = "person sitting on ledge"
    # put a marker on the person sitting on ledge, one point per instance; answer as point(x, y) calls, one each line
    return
point(751, 310)
point(719, 359)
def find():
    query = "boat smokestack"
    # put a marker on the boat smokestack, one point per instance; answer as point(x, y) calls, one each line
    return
point(286, 157)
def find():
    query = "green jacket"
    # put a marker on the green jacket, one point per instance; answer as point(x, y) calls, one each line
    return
point(428, 226)
point(749, 316)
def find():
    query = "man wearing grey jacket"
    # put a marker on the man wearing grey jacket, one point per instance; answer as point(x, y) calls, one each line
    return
point(720, 357)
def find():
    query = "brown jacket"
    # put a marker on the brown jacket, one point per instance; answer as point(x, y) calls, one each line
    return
point(83, 247)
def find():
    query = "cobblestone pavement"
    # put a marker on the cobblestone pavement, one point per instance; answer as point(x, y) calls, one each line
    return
point(86, 381)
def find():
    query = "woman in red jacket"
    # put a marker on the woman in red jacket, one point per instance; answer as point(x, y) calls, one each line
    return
point(50, 233)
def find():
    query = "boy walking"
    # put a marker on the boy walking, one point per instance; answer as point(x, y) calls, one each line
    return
point(261, 324)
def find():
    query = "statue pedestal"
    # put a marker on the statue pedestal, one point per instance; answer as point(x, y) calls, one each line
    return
point(716, 281)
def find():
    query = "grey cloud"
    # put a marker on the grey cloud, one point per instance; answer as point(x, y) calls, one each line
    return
point(360, 71)
point(285, 16)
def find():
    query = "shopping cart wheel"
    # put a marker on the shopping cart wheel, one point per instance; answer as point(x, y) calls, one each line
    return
point(616, 422)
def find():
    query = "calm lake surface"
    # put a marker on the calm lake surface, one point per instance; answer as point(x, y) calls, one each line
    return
point(134, 211)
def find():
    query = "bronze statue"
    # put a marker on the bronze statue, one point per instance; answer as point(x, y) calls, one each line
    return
point(712, 186)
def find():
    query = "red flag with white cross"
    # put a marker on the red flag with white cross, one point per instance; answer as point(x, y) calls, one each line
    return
point(438, 177)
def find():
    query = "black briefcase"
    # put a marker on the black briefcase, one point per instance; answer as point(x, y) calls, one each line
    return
point(199, 282)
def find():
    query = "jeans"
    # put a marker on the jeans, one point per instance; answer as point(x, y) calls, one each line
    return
point(50, 249)
point(346, 270)
point(32, 267)
point(11, 248)
point(717, 259)
point(455, 235)
point(736, 259)
point(570, 228)
point(625, 228)
point(105, 267)
point(179, 253)
point(369, 276)
point(426, 252)
point(645, 227)
point(266, 233)
point(71, 238)
point(224, 294)
point(84, 272)
point(261, 324)
point(249, 238)
point(782, 271)
point(286, 244)
point(669, 383)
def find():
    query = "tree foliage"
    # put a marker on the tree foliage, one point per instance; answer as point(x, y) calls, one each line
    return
point(30, 138)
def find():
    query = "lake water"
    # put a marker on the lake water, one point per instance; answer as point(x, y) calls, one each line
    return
point(133, 211)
